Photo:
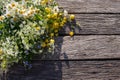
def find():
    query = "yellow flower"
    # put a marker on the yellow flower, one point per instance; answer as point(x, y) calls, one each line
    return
point(71, 33)
point(72, 17)
point(64, 20)
point(47, 44)
point(60, 14)
point(56, 25)
point(56, 31)
point(52, 34)
point(38, 28)
point(43, 45)
point(62, 23)
point(48, 16)
point(55, 15)
point(48, 10)
point(1, 51)
point(52, 41)
point(46, 40)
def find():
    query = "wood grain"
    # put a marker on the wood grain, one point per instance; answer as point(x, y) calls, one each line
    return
point(68, 70)
point(95, 24)
point(84, 47)
point(89, 46)
point(90, 6)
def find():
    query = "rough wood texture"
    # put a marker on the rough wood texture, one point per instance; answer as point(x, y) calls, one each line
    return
point(95, 24)
point(86, 47)
point(81, 57)
point(93, 46)
point(68, 70)
point(90, 6)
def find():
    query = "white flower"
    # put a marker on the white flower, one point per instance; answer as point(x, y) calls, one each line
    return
point(10, 52)
point(23, 2)
point(36, 2)
point(21, 25)
point(56, 9)
point(65, 13)
point(2, 18)
point(24, 22)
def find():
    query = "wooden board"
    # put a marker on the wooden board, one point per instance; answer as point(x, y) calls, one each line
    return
point(90, 6)
point(93, 46)
point(95, 24)
point(85, 47)
point(68, 70)
point(92, 54)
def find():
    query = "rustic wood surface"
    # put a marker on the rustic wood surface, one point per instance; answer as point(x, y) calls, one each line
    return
point(89, 46)
point(90, 6)
point(95, 24)
point(92, 54)
point(68, 70)
point(85, 47)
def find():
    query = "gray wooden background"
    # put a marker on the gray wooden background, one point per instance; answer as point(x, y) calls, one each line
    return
point(93, 53)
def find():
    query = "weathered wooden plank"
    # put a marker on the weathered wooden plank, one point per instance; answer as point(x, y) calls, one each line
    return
point(68, 70)
point(95, 24)
point(85, 47)
point(90, 6)
point(89, 46)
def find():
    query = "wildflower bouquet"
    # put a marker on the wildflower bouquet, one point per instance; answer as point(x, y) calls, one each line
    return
point(28, 27)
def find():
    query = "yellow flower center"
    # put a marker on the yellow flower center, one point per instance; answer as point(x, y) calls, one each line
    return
point(32, 11)
point(22, 12)
point(37, 10)
point(15, 19)
point(38, 28)
point(13, 4)
point(1, 18)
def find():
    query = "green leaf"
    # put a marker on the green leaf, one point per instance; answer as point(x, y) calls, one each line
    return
point(1, 25)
